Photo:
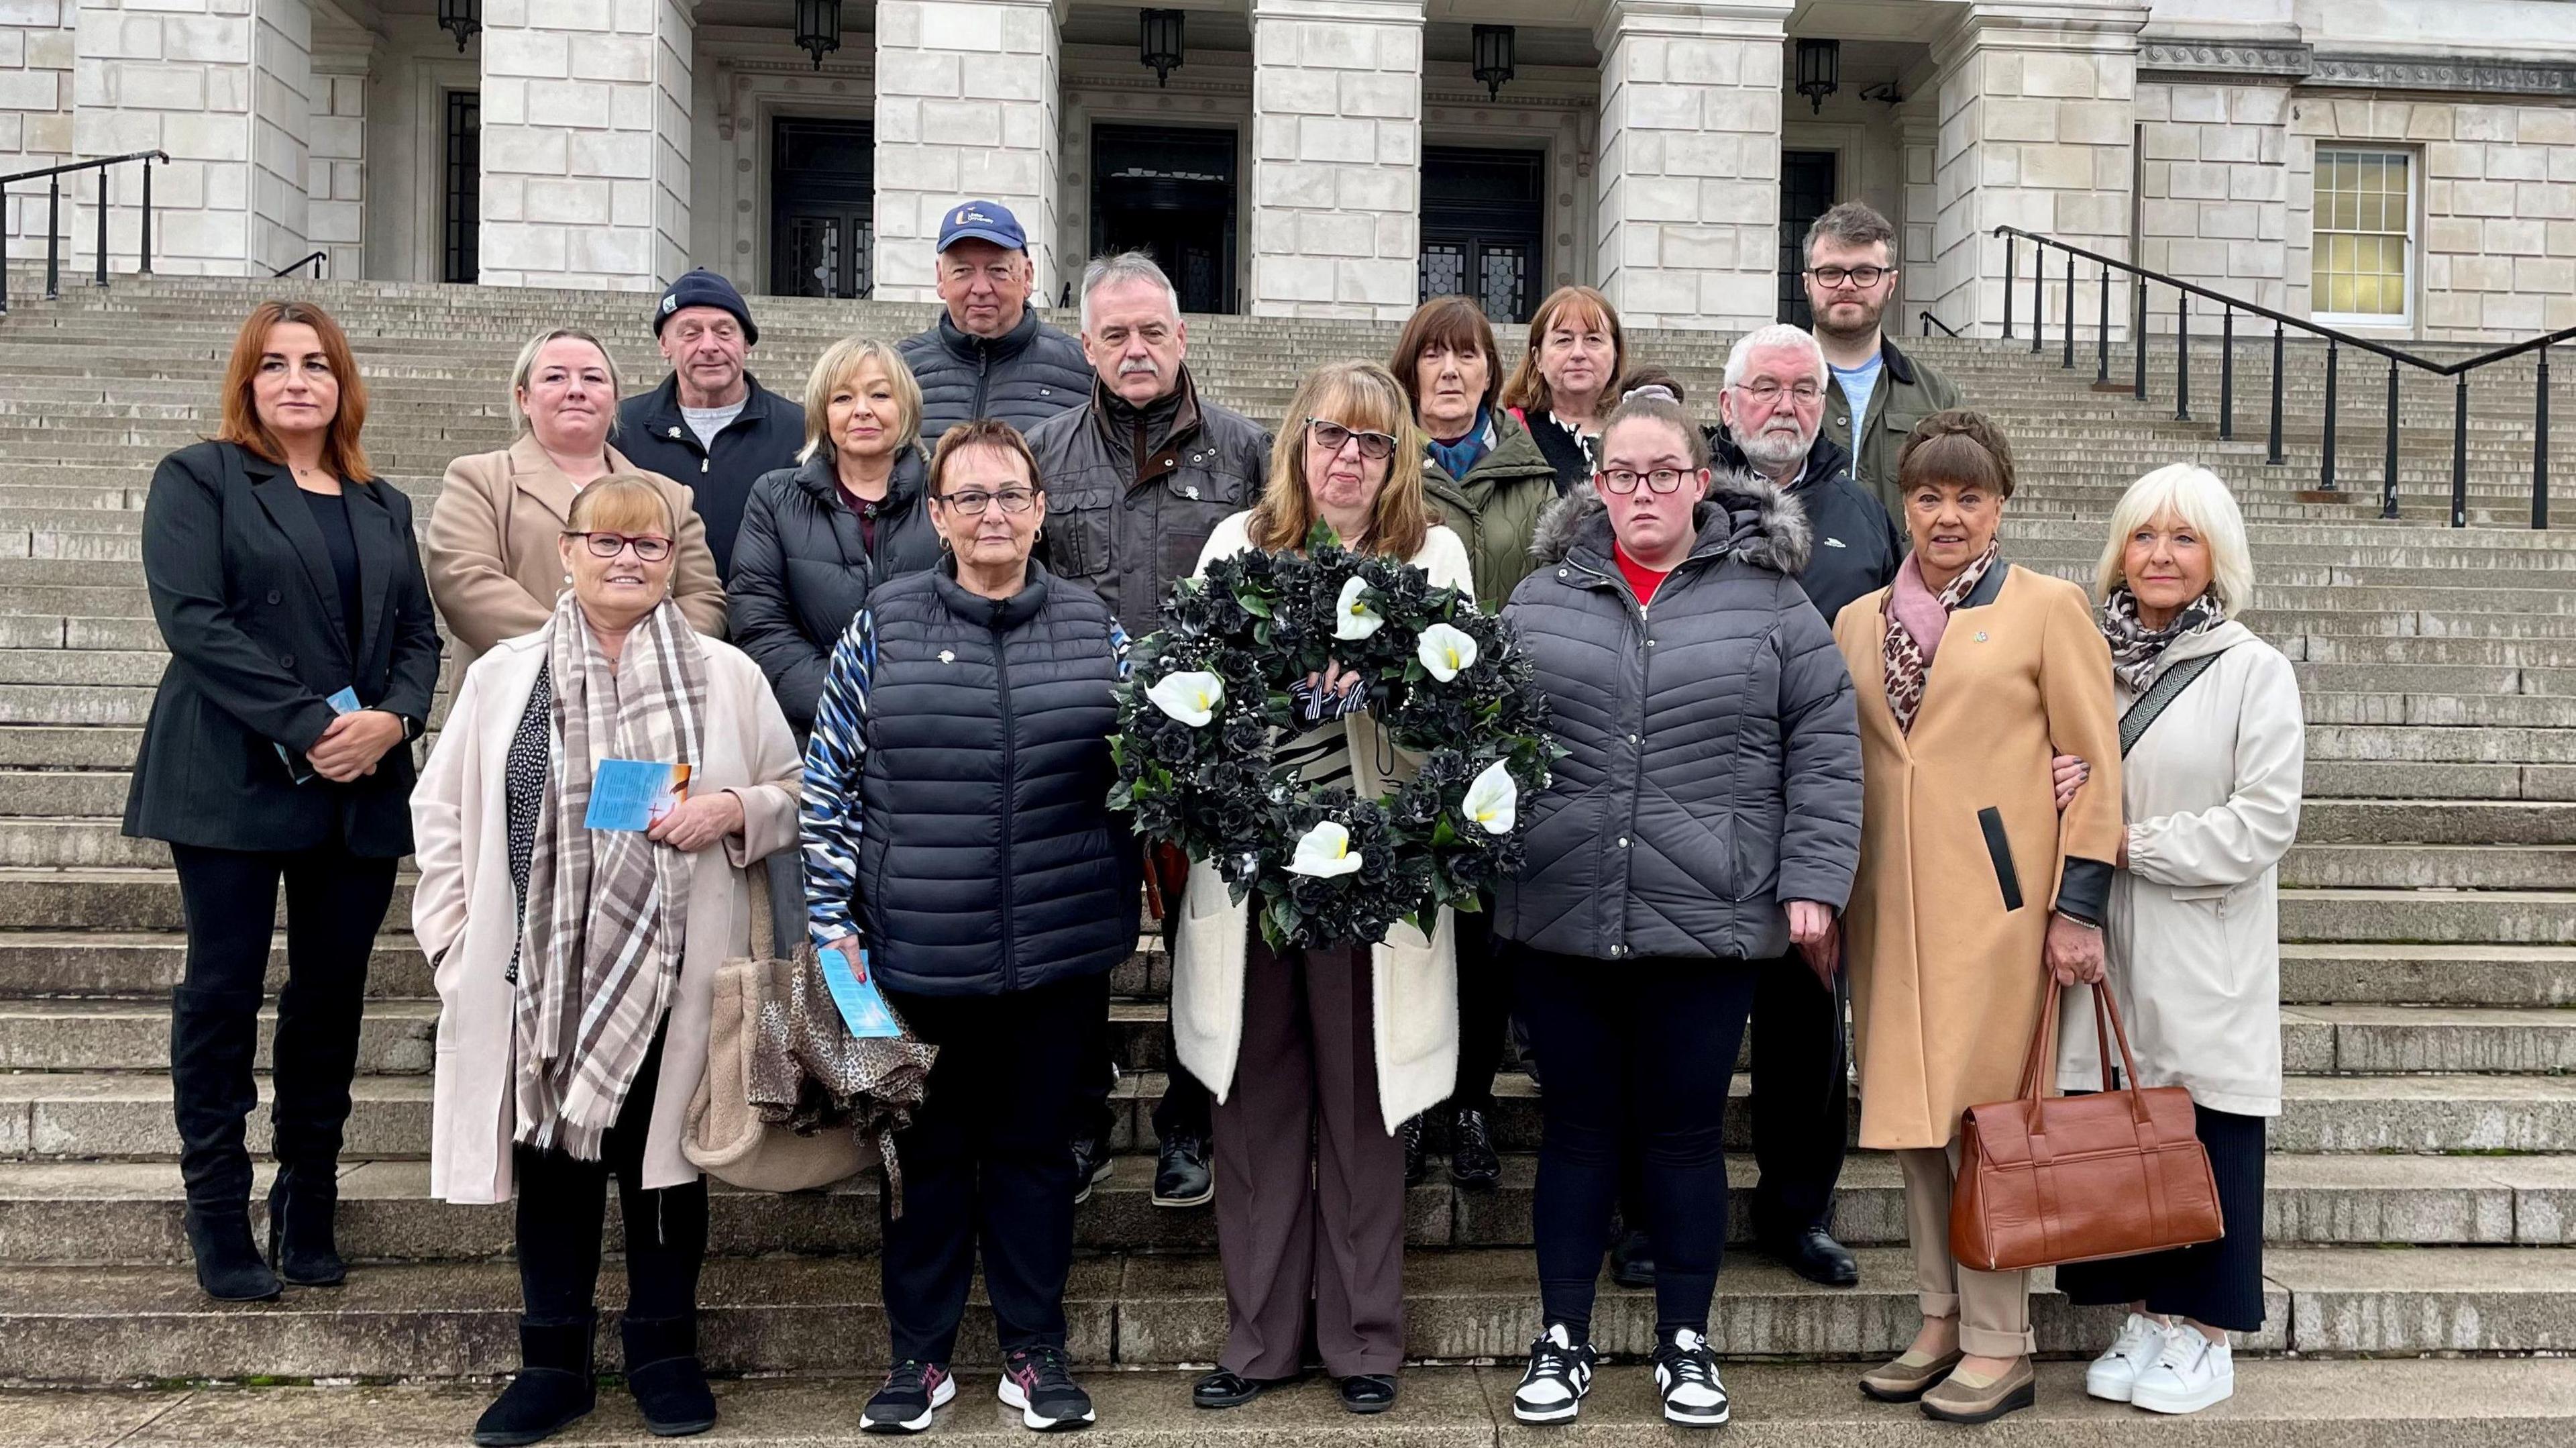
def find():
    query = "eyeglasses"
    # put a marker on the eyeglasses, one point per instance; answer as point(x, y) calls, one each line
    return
point(973, 502)
point(1624, 482)
point(1768, 392)
point(1332, 435)
point(609, 545)
point(1863, 277)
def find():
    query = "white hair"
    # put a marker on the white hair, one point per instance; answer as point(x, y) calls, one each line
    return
point(1117, 270)
point(1778, 334)
point(2199, 501)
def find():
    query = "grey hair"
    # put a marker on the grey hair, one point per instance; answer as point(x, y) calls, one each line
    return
point(1778, 334)
point(2200, 501)
point(1122, 267)
point(1853, 223)
point(527, 363)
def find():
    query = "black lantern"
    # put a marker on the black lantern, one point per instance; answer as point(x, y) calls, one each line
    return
point(818, 28)
point(462, 18)
point(1493, 55)
point(1820, 69)
point(1158, 42)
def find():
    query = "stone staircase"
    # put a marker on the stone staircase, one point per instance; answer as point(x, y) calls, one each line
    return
point(2422, 1200)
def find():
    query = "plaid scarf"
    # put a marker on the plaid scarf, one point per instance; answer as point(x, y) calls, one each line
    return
point(1909, 659)
point(606, 910)
point(2138, 652)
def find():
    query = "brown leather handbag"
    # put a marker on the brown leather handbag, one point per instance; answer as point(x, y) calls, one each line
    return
point(2046, 1180)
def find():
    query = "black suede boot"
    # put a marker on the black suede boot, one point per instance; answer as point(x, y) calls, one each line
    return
point(301, 1248)
point(663, 1373)
point(553, 1390)
point(228, 1265)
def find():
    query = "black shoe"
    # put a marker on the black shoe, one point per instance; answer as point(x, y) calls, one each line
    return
point(1368, 1392)
point(663, 1372)
point(1226, 1388)
point(1816, 1256)
point(1472, 1162)
point(553, 1390)
point(1415, 1168)
point(1560, 1373)
point(913, 1391)
point(228, 1263)
point(1034, 1381)
point(1091, 1163)
point(1632, 1260)
point(1181, 1175)
point(300, 1245)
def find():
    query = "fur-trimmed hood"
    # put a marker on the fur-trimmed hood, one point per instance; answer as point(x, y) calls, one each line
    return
point(1744, 512)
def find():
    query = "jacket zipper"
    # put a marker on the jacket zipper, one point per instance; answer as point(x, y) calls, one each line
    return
point(983, 375)
point(1010, 777)
point(1636, 741)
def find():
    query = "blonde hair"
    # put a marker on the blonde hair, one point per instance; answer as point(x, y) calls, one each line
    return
point(1527, 388)
point(1364, 396)
point(622, 503)
point(527, 364)
point(841, 363)
point(2196, 497)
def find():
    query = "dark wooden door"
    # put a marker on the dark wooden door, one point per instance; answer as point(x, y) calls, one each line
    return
point(1806, 192)
point(822, 207)
point(1483, 212)
point(1169, 191)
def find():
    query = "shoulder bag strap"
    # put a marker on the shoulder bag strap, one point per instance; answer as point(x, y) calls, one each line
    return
point(2167, 687)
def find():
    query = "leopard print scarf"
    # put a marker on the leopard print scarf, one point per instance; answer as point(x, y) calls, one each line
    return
point(1908, 662)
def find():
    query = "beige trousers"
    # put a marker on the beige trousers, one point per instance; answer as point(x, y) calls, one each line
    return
point(1993, 1308)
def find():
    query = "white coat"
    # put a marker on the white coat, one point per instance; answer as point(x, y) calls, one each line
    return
point(1413, 981)
point(2212, 793)
point(467, 915)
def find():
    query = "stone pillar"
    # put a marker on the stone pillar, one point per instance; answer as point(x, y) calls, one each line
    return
point(1918, 136)
point(1336, 196)
point(335, 187)
point(2038, 110)
point(1689, 176)
point(225, 87)
point(967, 101)
point(586, 107)
point(35, 105)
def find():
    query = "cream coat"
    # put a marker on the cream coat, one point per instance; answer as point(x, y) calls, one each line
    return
point(1413, 981)
point(467, 915)
point(490, 549)
point(2212, 792)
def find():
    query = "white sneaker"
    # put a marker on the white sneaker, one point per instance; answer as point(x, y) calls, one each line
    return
point(2115, 1372)
point(1686, 1376)
point(2190, 1374)
point(1559, 1375)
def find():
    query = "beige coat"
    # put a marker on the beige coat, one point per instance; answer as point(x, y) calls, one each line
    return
point(493, 566)
point(1413, 981)
point(2212, 793)
point(1946, 981)
point(467, 915)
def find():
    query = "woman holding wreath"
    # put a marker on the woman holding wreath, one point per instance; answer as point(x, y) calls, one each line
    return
point(1330, 1031)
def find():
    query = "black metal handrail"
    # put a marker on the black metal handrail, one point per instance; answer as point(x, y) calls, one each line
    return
point(1930, 321)
point(2335, 340)
point(315, 260)
point(54, 217)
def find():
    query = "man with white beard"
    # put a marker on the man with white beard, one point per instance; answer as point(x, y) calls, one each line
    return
point(1772, 409)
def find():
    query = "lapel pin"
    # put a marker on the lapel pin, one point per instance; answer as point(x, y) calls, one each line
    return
point(1981, 638)
point(948, 657)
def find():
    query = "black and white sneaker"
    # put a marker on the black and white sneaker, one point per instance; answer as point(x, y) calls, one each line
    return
point(1034, 1381)
point(912, 1391)
point(1559, 1375)
point(1686, 1374)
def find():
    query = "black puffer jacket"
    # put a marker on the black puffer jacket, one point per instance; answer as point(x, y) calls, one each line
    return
point(802, 570)
point(1857, 545)
point(655, 437)
point(1715, 764)
point(1025, 376)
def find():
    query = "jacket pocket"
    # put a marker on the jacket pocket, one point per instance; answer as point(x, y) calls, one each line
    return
point(1999, 850)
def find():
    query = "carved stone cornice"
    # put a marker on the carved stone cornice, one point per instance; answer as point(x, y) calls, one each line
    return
point(2481, 75)
point(2224, 59)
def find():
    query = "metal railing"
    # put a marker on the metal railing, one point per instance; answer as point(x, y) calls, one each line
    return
point(316, 260)
point(53, 176)
point(1930, 321)
point(2335, 340)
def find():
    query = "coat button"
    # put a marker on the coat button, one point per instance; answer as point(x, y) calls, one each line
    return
point(1623, 842)
point(276, 597)
point(286, 659)
point(1632, 738)
point(1618, 950)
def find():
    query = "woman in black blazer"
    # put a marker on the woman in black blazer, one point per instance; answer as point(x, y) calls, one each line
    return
point(302, 658)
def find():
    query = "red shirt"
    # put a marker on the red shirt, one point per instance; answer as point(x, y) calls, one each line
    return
point(1643, 580)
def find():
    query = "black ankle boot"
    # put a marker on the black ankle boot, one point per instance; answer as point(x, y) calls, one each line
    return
point(663, 1373)
point(300, 1244)
point(228, 1265)
point(552, 1391)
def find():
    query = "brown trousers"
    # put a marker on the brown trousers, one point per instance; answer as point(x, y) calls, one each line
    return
point(1307, 1160)
point(1993, 1308)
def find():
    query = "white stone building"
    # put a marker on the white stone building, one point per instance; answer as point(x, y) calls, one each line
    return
point(2406, 165)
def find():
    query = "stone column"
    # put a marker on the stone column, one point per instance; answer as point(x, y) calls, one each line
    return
point(335, 188)
point(35, 105)
point(1336, 196)
point(225, 87)
point(586, 107)
point(967, 104)
point(1689, 176)
point(1917, 147)
point(2038, 109)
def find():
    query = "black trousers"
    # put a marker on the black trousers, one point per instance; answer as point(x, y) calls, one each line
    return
point(1485, 990)
point(2219, 1283)
point(334, 903)
point(562, 1207)
point(985, 1165)
point(1801, 1096)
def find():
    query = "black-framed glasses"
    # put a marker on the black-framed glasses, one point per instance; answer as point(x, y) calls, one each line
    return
point(1863, 277)
point(972, 502)
point(609, 545)
point(1662, 480)
point(1377, 445)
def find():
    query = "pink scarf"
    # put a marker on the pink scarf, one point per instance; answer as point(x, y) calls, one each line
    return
point(1916, 617)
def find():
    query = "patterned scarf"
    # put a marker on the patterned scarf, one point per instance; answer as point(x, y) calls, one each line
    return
point(2138, 652)
point(1908, 657)
point(607, 910)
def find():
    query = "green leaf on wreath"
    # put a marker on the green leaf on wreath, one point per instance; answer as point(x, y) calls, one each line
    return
point(1442, 834)
point(1253, 604)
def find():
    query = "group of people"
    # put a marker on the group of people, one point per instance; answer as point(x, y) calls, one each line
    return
point(884, 628)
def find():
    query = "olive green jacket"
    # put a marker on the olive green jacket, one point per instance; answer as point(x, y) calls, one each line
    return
point(1495, 508)
point(1907, 392)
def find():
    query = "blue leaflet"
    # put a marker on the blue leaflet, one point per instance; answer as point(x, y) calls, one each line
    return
point(632, 794)
point(344, 702)
point(862, 1009)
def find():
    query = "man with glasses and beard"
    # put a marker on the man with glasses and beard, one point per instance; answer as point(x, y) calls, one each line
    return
point(1876, 393)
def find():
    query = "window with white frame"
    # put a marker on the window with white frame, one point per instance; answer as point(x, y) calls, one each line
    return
point(2364, 267)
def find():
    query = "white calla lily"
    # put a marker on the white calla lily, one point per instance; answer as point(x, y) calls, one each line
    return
point(1353, 618)
point(1493, 799)
point(1324, 852)
point(1190, 697)
point(1445, 651)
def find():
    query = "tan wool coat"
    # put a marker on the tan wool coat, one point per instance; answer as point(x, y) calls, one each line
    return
point(490, 550)
point(1959, 820)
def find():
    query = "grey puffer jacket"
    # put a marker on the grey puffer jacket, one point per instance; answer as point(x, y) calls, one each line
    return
point(1024, 376)
point(1714, 769)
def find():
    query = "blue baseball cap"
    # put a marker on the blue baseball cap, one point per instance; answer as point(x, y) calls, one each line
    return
point(982, 221)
